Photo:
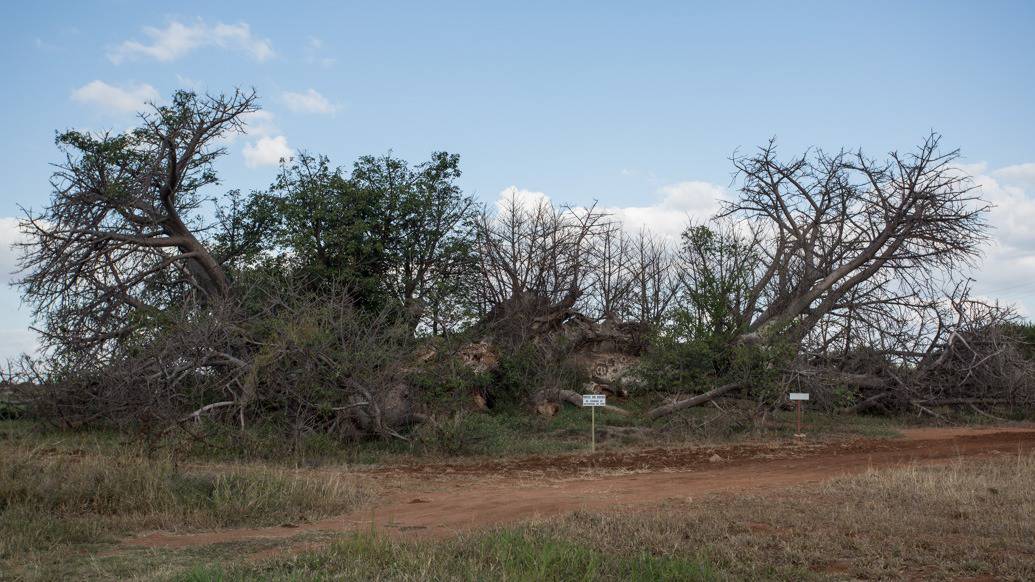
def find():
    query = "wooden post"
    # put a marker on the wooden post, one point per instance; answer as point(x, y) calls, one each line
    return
point(593, 429)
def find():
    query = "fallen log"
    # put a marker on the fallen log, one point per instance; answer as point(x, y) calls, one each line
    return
point(872, 401)
point(560, 395)
point(667, 409)
point(958, 401)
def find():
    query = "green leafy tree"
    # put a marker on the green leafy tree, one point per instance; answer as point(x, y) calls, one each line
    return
point(399, 236)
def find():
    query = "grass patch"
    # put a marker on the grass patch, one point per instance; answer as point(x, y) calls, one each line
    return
point(963, 520)
point(52, 500)
point(65, 498)
point(505, 432)
point(516, 554)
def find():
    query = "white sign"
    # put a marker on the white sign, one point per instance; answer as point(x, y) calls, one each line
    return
point(594, 400)
point(792, 396)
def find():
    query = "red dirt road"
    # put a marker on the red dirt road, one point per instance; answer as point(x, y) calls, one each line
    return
point(442, 499)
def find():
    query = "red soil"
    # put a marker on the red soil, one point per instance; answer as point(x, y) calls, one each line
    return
point(436, 500)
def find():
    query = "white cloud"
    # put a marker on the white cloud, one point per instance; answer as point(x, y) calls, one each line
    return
point(520, 197)
point(1019, 175)
point(680, 203)
point(259, 123)
point(9, 235)
point(1007, 269)
point(127, 98)
point(314, 49)
point(309, 102)
point(188, 82)
point(16, 341)
point(267, 151)
point(177, 40)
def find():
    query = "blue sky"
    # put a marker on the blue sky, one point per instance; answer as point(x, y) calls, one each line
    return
point(637, 105)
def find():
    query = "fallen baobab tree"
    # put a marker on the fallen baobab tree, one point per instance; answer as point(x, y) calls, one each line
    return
point(314, 304)
point(833, 240)
point(149, 321)
point(823, 242)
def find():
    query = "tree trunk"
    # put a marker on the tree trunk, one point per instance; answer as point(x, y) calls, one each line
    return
point(667, 409)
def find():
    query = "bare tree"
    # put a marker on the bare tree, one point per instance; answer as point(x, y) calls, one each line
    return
point(655, 279)
point(534, 262)
point(837, 223)
point(611, 277)
point(846, 237)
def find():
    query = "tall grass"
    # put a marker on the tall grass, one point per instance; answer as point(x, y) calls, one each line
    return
point(52, 500)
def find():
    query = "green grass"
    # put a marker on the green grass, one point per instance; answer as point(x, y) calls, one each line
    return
point(508, 431)
point(515, 554)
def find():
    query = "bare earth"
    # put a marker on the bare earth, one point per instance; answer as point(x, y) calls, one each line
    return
point(438, 500)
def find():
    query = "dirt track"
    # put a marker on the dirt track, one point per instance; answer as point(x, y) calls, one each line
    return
point(442, 499)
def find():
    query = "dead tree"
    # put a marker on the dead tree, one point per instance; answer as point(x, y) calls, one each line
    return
point(834, 223)
point(834, 232)
point(655, 279)
point(611, 274)
point(534, 261)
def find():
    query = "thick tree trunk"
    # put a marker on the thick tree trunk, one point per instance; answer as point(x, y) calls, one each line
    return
point(559, 395)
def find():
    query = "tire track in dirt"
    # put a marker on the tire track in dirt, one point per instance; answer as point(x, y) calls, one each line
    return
point(539, 487)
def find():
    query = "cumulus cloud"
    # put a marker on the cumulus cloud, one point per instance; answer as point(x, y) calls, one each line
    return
point(120, 99)
point(680, 203)
point(267, 151)
point(1007, 269)
point(314, 49)
point(676, 206)
point(310, 101)
point(259, 123)
point(520, 197)
point(15, 341)
point(9, 235)
point(15, 336)
point(1020, 175)
point(178, 39)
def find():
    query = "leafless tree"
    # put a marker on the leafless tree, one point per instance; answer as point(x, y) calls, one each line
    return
point(654, 277)
point(611, 274)
point(534, 262)
point(838, 223)
point(847, 237)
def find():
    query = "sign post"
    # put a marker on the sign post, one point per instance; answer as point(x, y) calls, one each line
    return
point(798, 397)
point(593, 401)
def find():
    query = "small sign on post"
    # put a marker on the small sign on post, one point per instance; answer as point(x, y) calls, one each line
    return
point(593, 401)
point(798, 398)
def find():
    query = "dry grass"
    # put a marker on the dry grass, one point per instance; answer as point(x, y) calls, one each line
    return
point(52, 502)
point(64, 504)
point(963, 520)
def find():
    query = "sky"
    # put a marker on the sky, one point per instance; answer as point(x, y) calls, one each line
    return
point(635, 105)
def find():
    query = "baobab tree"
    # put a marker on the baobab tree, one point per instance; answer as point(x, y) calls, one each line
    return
point(120, 238)
point(844, 231)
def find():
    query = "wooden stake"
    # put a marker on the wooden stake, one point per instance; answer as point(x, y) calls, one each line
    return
point(593, 429)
